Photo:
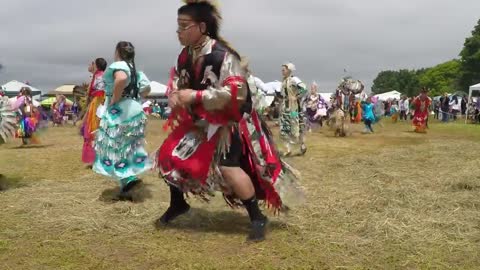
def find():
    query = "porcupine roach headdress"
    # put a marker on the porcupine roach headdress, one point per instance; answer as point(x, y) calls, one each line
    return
point(212, 3)
point(200, 11)
point(207, 11)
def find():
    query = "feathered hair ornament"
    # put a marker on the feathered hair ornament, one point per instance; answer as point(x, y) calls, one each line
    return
point(424, 90)
point(314, 86)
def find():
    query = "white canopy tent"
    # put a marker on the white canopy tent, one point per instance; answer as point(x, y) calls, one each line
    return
point(389, 95)
point(270, 88)
point(326, 97)
point(472, 89)
point(157, 89)
point(12, 88)
point(146, 104)
point(66, 90)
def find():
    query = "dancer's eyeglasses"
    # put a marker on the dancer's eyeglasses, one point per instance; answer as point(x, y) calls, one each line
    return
point(185, 28)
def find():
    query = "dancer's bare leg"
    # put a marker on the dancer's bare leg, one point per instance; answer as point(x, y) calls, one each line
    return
point(239, 181)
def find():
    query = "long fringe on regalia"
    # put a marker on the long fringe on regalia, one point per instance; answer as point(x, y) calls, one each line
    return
point(8, 121)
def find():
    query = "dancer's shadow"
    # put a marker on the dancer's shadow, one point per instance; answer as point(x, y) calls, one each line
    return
point(139, 195)
point(414, 132)
point(225, 222)
point(8, 182)
point(293, 154)
point(31, 146)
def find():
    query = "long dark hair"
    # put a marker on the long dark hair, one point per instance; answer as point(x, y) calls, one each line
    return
point(205, 12)
point(26, 91)
point(126, 52)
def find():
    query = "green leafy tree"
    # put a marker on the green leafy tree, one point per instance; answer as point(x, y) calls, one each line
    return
point(385, 81)
point(470, 60)
point(441, 78)
point(449, 77)
point(408, 83)
point(405, 81)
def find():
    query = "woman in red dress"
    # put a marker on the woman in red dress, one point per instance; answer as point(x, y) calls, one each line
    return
point(421, 105)
point(96, 97)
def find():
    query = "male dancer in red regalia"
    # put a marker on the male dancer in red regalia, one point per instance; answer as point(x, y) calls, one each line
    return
point(218, 142)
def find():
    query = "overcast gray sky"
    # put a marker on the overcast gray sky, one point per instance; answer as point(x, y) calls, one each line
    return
point(50, 43)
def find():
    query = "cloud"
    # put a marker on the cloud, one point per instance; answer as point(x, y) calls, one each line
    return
point(51, 42)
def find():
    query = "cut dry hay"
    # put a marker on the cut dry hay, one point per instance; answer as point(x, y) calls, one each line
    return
point(389, 200)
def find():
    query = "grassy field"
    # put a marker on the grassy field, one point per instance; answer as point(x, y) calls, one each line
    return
point(391, 200)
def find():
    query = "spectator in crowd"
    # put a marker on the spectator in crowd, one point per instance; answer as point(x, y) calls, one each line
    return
point(464, 105)
point(455, 107)
point(445, 107)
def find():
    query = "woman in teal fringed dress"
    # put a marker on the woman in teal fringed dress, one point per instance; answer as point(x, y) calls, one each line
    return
point(120, 139)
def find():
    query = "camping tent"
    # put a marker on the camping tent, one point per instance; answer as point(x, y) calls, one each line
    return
point(389, 95)
point(473, 88)
point(12, 89)
point(157, 89)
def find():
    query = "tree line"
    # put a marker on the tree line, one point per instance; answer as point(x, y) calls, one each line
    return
point(451, 76)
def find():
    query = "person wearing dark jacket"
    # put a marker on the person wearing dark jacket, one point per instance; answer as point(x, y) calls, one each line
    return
point(445, 107)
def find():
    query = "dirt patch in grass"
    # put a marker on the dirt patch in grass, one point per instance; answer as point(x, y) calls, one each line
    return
point(10, 182)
